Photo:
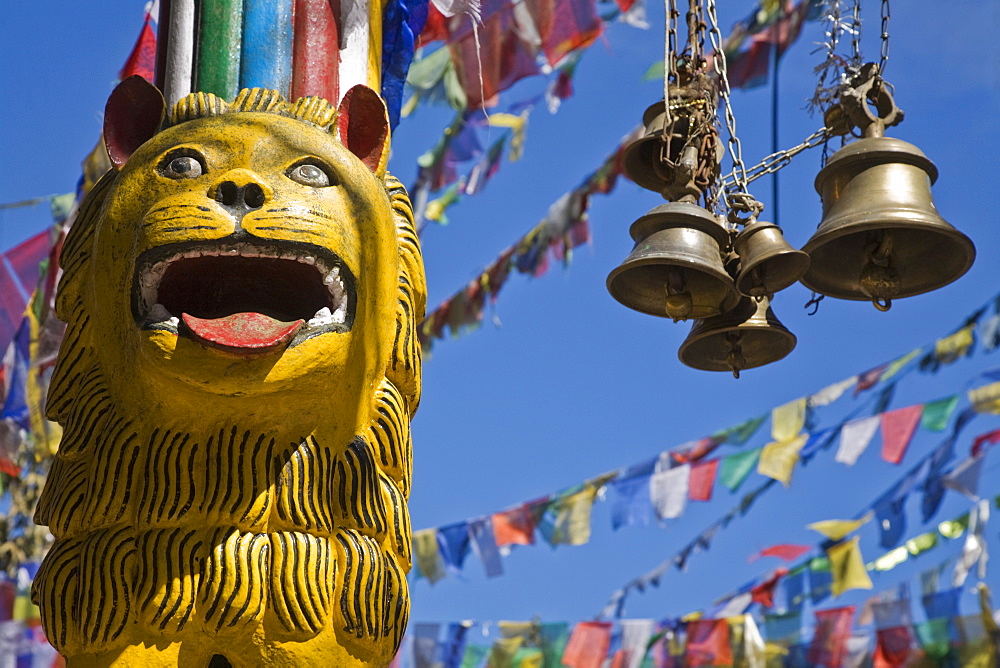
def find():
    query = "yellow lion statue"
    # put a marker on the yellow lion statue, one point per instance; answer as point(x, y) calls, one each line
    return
point(236, 385)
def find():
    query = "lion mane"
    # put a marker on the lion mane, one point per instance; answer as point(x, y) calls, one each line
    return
point(195, 530)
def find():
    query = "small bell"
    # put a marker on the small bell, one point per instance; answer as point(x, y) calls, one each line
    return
point(881, 238)
point(675, 269)
point(745, 337)
point(642, 160)
point(768, 264)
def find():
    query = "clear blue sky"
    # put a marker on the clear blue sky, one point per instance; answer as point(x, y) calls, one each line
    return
point(574, 384)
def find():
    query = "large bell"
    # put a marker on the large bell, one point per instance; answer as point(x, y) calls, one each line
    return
point(768, 264)
point(881, 237)
point(675, 269)
point(642, 159)
point(748, 336)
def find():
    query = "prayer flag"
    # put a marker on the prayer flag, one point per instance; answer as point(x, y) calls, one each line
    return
point(784, 551)
point(778, 459)
point(897, 365)
point(736, 605)
point(932, 486)
point(754, 648)
point(974, 551)
point(950, 348)
point(763, 593)
point(857, 650)
point(831, 393)
point(701, 480)
point(514, 527)
point(427, 555)
point(742, 432)
point(892, 647)
point(934, 637)
point(736, 468)
point(503, 651)
point(635, 637)
point(868, 379)
point(453, 543)
point(788, 420)
point(708, 643)
point(987, 438)
point(837, 529)
point(854, 439)
point(451, 650)
point(847, 567)
point(965, 477)
point(898, 427)
point(588, 645)
point(668, 491)
point(833, 628)
point(485, 546)
point(986, 399)
point(892, 613)
point(942, 604)
point(920, 544)
point(991, 333)
point(937, 413)
point(554, 636)
point(571, 525)
point(631, 502)
point(425, 642)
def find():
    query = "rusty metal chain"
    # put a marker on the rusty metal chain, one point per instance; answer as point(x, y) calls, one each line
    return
point(885, 38)
point(856, 33)
point(669, 49)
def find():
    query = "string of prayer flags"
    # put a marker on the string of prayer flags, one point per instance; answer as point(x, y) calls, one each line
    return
point(898, 427)
point(778, 458)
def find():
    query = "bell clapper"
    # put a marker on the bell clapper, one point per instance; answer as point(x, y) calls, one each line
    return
point(879, 278)
point(679, 303)
point(735, 358)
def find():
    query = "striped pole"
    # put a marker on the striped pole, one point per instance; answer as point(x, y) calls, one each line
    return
point(180, 51)
point(267, 45)
point(219, 47)
point(316, 50)
point(355, 45)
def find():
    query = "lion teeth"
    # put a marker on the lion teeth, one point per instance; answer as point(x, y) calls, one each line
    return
point(322, 317)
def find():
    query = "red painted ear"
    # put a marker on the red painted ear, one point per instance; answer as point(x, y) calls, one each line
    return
point(363, 126)
point(132, 115)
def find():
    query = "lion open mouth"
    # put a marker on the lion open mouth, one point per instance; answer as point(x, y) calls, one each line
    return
point(245, 297)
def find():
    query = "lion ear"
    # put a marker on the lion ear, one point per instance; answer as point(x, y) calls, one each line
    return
point(132, 115)
point(363, 126)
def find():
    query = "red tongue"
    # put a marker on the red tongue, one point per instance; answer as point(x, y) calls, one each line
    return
point(242, 333)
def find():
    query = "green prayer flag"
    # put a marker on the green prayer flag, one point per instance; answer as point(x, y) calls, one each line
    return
point(935, 637)
point(954, 528)
point(937, 414)
point(741, 433)
point(654, 73)
point(473, 656)
point(735, 468)
point(554, 635)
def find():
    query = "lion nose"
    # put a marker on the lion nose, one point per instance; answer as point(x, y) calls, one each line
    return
point(247, 197)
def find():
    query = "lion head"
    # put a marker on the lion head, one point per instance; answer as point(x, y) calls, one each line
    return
point(235, 386)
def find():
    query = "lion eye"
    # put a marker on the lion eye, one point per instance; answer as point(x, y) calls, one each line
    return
point(182, 167)
point(309, 174)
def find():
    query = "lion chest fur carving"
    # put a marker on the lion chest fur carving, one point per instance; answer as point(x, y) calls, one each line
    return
point(235, 385)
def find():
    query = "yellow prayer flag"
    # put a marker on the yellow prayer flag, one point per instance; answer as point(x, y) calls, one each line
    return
point(787, 420)
point(529, 658)
point(428, 558)
point(950, 348)
point(517, 629)
point(891, 559)
point(572, 522)
point(837, 529)
point(503, 651)
point(897, 365)
point(847, 567)
point(986, 399)
point(778, 459)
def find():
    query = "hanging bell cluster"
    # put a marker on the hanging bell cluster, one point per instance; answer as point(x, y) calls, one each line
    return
point(881, 237)
point(687, 264)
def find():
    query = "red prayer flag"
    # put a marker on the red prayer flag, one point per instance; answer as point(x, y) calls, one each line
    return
point(588, 645)
point(784, 551)
point(893, 647)
point(514, 527)
point(898, 427)
point(991, 437)
point(764, 592)
point(868, 379)
point(708, 643)
point(701, 479)
point(142, 60)
point(833, 628)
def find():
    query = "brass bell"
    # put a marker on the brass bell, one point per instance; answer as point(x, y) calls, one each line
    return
point(881, 237)
point(748, 336)
point(768, 264)
point(642, 159)
point(675, 269)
